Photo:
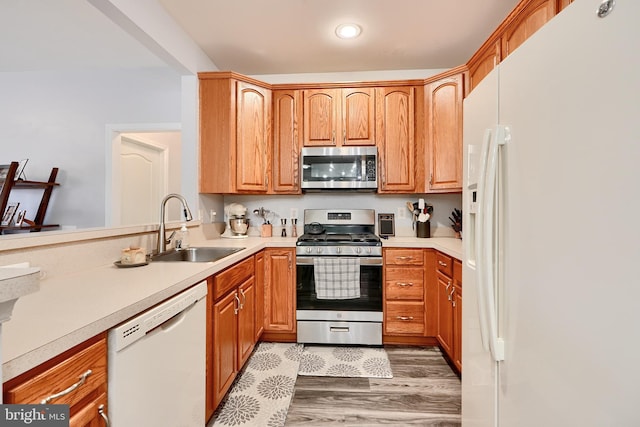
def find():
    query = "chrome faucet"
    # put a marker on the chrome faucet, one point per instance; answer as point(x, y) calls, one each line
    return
point(162, 239)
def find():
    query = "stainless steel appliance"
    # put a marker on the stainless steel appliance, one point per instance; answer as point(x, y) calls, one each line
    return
point(339, 168)
point(339, 278)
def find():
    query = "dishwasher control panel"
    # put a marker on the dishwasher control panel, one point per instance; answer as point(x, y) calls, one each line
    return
point(136, 328)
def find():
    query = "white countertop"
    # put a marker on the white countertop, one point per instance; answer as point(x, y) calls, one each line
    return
point(73, 308)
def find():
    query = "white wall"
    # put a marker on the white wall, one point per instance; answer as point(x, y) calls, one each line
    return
point(58, 119)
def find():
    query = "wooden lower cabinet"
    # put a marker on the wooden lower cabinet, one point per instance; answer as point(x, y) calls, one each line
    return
point(445, 313)
point(449, 302)
point(404, 292)
point(230, 328)
point(457, 314)
point(87, 402)
point(280, 292)
point(259, 284)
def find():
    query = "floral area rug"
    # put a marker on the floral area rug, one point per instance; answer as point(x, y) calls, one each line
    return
point(261, 393)
point(371, 362)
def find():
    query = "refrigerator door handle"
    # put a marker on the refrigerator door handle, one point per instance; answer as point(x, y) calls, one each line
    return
point(480, 238)
point(489, 241)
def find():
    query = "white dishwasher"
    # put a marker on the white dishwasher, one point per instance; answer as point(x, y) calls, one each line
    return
point(157, 365)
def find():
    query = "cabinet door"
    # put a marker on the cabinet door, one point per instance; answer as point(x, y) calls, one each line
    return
point(225, 348)
point(280, 305)
point(321, 116)
point(531, 18)
point(444, 133)
point(483, 62)
point(445, 314)
point(457, 315)
point(259, 283)
point(246, 321)
point(395, 133)
point(358, 117)
point(287, 117)
point(252, 137)
point(89, 415)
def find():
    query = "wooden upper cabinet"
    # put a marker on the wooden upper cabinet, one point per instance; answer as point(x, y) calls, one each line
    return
point(339, 117)
point(444, 133)
point(483, 62)
point(253, 145)
point(529, 19)
point(287, 118)
point(235, 139)
point(562, 4)
point(358, 116)
point(395, 133)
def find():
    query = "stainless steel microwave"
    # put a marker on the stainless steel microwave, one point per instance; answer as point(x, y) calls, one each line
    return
point(339, 168)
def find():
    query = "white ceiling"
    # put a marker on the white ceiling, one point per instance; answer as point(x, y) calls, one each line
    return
point(297, 36)
point(257, 36)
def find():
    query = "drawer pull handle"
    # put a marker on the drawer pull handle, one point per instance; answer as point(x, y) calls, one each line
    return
point(103, 415)
point(405, 318)
point(339, 329)
point(442, 264)
point(83, 379)
point(404, 258)
point(405, 284)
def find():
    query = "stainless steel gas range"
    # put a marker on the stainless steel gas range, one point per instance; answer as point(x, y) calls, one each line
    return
point(339, 278)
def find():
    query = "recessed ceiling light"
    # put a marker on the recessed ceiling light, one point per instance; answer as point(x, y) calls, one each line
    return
point(348, 31)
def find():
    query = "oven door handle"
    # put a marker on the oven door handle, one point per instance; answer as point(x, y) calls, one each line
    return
point(304, 260)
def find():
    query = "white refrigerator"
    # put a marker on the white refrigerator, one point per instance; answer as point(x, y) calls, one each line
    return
point(551, 284)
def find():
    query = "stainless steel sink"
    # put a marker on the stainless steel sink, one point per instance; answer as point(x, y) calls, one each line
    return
point(195, 254)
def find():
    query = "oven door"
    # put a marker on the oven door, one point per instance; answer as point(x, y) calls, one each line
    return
point(370, 299)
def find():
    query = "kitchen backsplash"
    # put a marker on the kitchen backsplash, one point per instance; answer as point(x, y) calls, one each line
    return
point(284, 206)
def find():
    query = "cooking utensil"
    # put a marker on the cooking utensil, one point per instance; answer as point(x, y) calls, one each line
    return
point(315, 228)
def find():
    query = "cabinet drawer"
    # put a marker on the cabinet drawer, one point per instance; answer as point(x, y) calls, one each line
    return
point(404, 283)
point(403, 257)
point(62, 376)
point(404, 318)
point(228, 279)
point(444, 264)
point(457, 273)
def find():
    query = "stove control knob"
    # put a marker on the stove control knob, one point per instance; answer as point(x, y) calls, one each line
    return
point(369, 250)
point(319, 250)
point(308, 250)
point(338, 250)
point(358, 250)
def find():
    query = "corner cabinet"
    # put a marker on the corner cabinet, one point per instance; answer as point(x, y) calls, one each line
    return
point(10, 184)
point(235, 139)
point(287, 136)
point(280, 293)
point(77, 378)
point(339, 117)
point(444, 133)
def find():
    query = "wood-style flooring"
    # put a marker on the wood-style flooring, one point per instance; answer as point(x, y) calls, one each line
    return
point(424, 391)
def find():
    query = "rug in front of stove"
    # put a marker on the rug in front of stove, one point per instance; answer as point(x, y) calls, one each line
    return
point(340, 361)
point(261, 393)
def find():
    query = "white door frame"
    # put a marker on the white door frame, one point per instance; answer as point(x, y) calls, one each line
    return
point(112, 160)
